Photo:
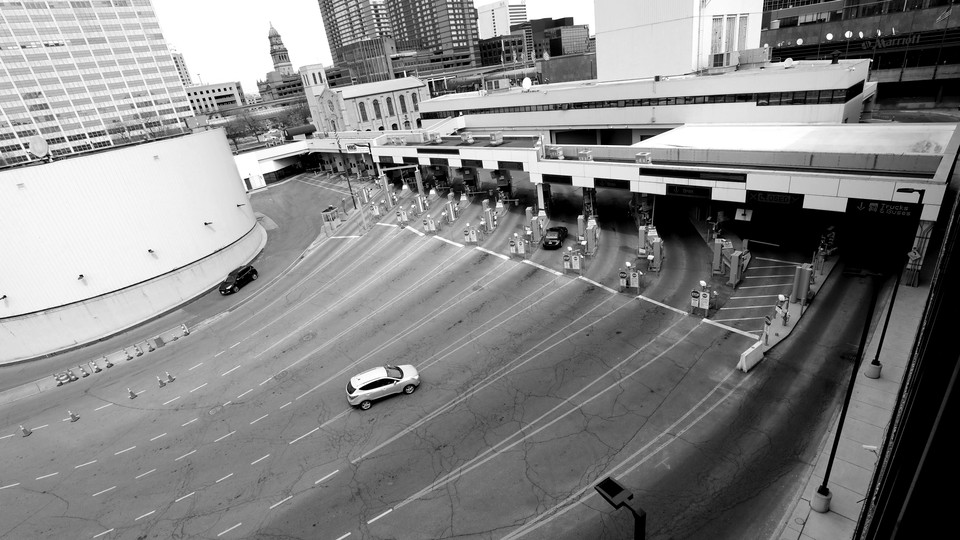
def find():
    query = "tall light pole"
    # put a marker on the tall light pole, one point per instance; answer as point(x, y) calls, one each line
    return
point(343, 159)
point(874, 369)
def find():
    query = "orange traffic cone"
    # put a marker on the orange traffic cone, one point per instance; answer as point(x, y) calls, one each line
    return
point(132, 394)
point(160, 382)
point(73, 416)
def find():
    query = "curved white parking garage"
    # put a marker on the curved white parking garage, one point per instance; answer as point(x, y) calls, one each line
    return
point(98, 243)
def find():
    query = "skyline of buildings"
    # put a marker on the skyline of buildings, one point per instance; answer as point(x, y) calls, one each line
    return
point(496, 19)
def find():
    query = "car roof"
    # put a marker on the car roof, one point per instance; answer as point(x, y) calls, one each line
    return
point(367, 376)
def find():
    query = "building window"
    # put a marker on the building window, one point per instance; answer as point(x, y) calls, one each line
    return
point(390, 111)
point(416, 104)
point(376, 109)
point(363, 111)
point(403, 105)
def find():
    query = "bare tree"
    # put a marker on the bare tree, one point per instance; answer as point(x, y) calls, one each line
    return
point(254, 125)
point(236, 129)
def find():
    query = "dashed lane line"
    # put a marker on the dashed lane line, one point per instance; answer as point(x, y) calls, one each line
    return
point(219, 353)
point(185, 455)
point(326, 477)
point(285, 405)
point(188, 423)
point(494, 253)
point(596, 284)
point(103, 533)
point(776, 266)
point(85, 464)
point(235, 344)
point(229, 371)
point(281, 502)
point(731, 329)
point(198, 365)
point(199, 387)
point(9, 486)
point(661, 304)
point(413, 230)
point(742, 319)
point(759, 296)
point(311, 432)
point(40, 427)
point(248, 391)
point(380, 516)
point(157, 437)
point(770, 276)
point(227, 403)
point(104, 491)
point(268, 379)
point(258, 460)
point(347, 237)
point(171, 401)
point(341, 538)
point(150, 513)
point(225, 436)
point(259, 419)
point(224, 478)
point(768, 306)
point(767, 286)
point(6, 436)
point(103, 406)
point(228, 530)
point(452, 243)
point(47, 475)
point(185, 496)
point(139, 476)
point(778, 261)
point(124, 450)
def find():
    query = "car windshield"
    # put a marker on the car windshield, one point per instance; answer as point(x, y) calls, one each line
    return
point(230, 280)
point(394, 372)
point(553, 235)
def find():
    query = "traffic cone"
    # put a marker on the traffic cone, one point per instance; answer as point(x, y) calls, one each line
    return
point(24, 431)
point(170, 377)
point(186, 331)
point(128, 355)
point(96, 367)
point(109, 363)
point(132, 394)
point(72, 375)
point(138, 349)
point(83, 371)
point(150, 347)
point(160, 382)
point(59, 382)
point(73, 416)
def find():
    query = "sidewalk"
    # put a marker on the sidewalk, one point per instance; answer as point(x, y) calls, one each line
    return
point(868, 417)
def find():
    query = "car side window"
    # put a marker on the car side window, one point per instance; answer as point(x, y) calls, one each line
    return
point(375, 384)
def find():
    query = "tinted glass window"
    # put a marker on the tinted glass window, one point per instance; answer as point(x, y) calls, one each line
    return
point(394, 372)
point(375, 384)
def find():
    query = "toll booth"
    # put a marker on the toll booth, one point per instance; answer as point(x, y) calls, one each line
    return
point(729, 261)
point(592, 234)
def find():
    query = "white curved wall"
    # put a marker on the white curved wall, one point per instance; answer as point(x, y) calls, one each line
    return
point(98, 215)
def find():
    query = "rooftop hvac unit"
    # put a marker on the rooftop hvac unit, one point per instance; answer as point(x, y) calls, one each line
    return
point(496, 138)
point(399, 141)
point(585, 155)
point(434, 137)
point(643, 158)
point(466, 137)
point(554, 152)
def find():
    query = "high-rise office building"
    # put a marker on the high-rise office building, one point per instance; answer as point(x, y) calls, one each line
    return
point(496, 19)
point(83, 76)
point(182, 70)
point(350, 21)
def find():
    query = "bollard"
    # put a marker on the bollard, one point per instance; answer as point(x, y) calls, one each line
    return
point(150, 347)
point(24, 431)
point(73, 416)
point(138, 350)
point(129, 358)
point(170, 377)
point(72, 375)
point(131, 393)
point(160, 382)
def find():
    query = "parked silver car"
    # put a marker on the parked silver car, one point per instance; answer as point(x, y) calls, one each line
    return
point(380, 382)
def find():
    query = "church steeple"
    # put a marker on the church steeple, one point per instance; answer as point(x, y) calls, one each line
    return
point(281, 60)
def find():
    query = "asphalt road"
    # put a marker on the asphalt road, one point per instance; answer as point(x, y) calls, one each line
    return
point(535, 385)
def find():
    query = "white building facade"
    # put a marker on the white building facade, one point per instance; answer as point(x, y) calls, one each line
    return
point(495, 19)
point(84, 76)
point(99, 243)
point(379, 106)
point(212, 98)
point(686, 35)
point(182, 70)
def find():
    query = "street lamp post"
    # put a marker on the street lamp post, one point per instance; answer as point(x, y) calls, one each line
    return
point(344, 161)
point(873, 370)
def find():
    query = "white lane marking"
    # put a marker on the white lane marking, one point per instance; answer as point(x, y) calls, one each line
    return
point(225, 436)
point(10, 485)
point(281, 502)
point(47, 475)
point(230, 529)
point(346, 237)
point(157, 437)
point(770, 276)
point(285, 404)
point(104, 491)
point(327, 476)
point(731, 329)
point(494, 253)
point(266, 381)
point(380, 516)
point(124, 450)
point(227, 403)
point(150, 513)
point(229, 371)
point(748, 307)
point(451, 242)
point(594, 283)
point(171, 401)
point(542, 267)
point(85, 464)
point(415, 231)
point(758, 296)
point(103, 406)
point(386, 225)
point(259, 419)
point(219, 353)
point(185, 455)
point(245, 393)
point(199, 387)
point(777, 260)
point(341, 538)
point(661, 304)
point(139, 476)
point(311, 432)
point(224, 478)
point(260, 459)
point(743, 319)
point(766, 286)
point(776, 266)
point(235, 344)
point(188, 423)
point(41, 427)
point(195, 367)
point(185, 496)
point(5, 436)
point(103, 533)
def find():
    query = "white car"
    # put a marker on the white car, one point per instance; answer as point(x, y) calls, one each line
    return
point(380, 382)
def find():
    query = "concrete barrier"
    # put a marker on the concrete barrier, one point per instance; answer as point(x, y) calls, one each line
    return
point(750, 357)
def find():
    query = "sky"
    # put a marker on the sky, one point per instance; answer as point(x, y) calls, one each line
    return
point(226, 40)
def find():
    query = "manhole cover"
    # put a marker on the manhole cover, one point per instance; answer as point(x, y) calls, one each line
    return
point(308, 336)
point(215, 410)
point(281, 376)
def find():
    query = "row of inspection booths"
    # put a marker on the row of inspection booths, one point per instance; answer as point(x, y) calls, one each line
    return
point(892, 178)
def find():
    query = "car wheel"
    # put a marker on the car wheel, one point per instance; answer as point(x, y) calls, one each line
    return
point(409, 389)
point(254, 277)
point(235, 288)
point(365, 404)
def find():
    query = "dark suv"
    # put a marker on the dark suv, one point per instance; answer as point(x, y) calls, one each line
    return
point(238, 278)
